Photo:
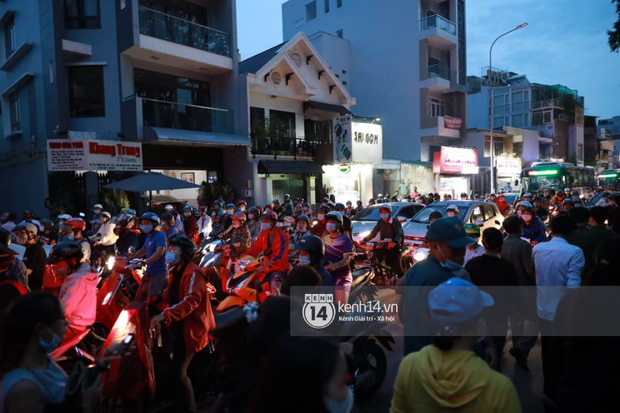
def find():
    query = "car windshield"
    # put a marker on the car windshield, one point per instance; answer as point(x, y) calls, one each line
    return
point(534, 183)
point(371, 213)
point(423, 215)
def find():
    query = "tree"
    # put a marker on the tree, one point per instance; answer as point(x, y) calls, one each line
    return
point(614, 36)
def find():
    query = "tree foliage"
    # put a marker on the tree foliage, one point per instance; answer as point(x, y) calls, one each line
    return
point(614, 35)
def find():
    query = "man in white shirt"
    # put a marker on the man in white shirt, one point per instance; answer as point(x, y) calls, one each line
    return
point(204, 223)
point(558, 267)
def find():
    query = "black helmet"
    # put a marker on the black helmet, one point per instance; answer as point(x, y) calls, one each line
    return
point(435, 215)
point(166, 216)
point(64, 251)
point(188, 248)
point(303, 217)
point(340, 205)
point(312, 244)
point(324, 208)
point(48, 225)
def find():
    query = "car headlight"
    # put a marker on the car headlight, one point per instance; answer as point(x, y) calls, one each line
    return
point(420, 255)
point(111, 262)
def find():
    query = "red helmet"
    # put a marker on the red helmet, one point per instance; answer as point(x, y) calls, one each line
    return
point(76, 223)
point(240, 216)
point(270, 215)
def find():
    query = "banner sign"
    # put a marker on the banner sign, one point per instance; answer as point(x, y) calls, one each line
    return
point(367, 143)
point(508, 166)
point(93, 155)
point(453, 123)
point(343, 147)
point(455, 161)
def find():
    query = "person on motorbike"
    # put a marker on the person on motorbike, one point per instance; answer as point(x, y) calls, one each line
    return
point(190, 226)
point(239, 238)
point(254, 224)
point(242, 206)
point(533, 227)
point(358, 206)
point(302, 225)
point(78, 292)
point(48, 236)
point(230, 210)
point(104, 239)
point(34, 257)
point(319, 227)
point(575, 196)
point(273, 243)
point(11, 284)
point(187, 313)
point(73, 230)
point(389, 228)
point(155, 277)
point(167, 225)
point(203, 223)
point(277, 208)
point(473, 250)
point(305, 210)
point(287, 206)
point(347, 225)
point(349, 211)
point(540, 211)
point(434, 216)
point(338, 252)
point(502, 204)
point(311, 251)
point(218, 207)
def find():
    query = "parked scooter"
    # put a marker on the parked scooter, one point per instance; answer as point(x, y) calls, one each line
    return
point(247, 285)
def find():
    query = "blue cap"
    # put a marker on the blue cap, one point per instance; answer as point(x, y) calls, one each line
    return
point(451, 231)
point(457, 301)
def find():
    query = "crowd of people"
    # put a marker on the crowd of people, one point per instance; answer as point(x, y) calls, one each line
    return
point(547, 239)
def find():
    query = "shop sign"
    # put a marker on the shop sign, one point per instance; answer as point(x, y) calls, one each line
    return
point(508, 166)
point(455, 161)
point(93, 155)
point(367, 143)
point(452, 123)
point(345, 168)
point(343, 147)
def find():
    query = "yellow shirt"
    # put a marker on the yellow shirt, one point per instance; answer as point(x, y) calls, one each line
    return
point(432, 380)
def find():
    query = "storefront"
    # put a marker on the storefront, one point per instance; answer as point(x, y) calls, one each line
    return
point(508, 173)
point(358, 148)
point(454, 168)
point(416, 175)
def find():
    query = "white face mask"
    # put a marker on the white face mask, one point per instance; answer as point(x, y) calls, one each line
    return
point(250, 216)
point(304, 260)
point(187, 214)
point(321, 216)
point(242, 208)
point(305, 208)
point(265, 226)
point(519, 212)
point(301, 228)
point(330, 227)
point(385, 217)
point(451, 214)
point(526, 217)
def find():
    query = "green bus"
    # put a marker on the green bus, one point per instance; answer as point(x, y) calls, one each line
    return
point(557, 176)
point(609, 178)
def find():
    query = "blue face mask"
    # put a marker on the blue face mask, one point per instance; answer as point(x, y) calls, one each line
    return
point(51, 345)
point(331, 227)
point(171, 258)
point(385, 217)
point(344, 406)
point(146, 228)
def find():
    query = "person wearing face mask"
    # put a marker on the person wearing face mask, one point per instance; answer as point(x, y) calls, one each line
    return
point(97, 220)
point(502, 204)
point(203, 223)
point(273, 243)
point(156, 275)
point(254, 224)
point(31, 380)
point(452, 211)
point(533, 227)
point(448, 375)
point(242, 206)
point(305, 210)
point(473, 250)
point(447, 242)
point(34, 257)
point(338, 252)
point(540, 211)
point(104, 239)
point(187, 313)
point(311, 252)
point(74, 230)
point(11, 286)
point(347, 225)
point(239, 238)
point(358, 207)
point(78, 292)
point(218, 206)
point(190, 226)
point(287, 206)
point(229, 211)
point(318, 228)
point(167, 225)
point(349, 211)
point(127, 237)
point(389, 228)
point(302, 224)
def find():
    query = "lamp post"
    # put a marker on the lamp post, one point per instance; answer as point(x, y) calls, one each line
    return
point(491, 149)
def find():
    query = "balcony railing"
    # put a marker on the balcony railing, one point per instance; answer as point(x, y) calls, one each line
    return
point(163, 114)
point(283, 146)
point(173, 29)
point(438, 22)
point(439, 70)
point(549, 103)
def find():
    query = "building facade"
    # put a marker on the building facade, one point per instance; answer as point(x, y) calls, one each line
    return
point(418, 91)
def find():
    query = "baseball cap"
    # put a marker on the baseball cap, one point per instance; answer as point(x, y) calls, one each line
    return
point(472, 229)
point(457, 301)
point(451, 231)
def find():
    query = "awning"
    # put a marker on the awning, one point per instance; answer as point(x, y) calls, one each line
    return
point(187, 137)
point(326, 107)
point(289, 167)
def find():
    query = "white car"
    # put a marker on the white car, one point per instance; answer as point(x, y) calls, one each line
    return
point(364, 221)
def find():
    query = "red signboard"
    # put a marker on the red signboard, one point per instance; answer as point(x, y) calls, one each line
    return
point(455, 161)
point(453, 123)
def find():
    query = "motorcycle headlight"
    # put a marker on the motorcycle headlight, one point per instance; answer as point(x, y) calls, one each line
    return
point(363, 235)
point(420, 255)
point(111, 262)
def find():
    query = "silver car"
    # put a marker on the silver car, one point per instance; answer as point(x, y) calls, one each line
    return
point(479, 212)
point(364, 221)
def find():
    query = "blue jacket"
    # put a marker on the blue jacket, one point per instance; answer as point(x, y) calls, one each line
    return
point(535, 231)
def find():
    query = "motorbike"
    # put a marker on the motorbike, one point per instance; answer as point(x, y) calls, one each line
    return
point(383, 273)
point(362, 287)
point(247, 285)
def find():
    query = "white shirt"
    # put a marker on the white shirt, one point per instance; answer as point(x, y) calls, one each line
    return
point(558, 264)
point(204, 225)
point(9, 226)
point(474, 252)
point(106, 234)
point(178, 224)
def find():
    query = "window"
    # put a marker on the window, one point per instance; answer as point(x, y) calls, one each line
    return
point(489, 212)
point(476, 215)
point(257, 119)
point(436, 107)
point(9, 37)
point(311, 11)
point(339, 33)
point(82, 14)
point(498, 144)
point(16, 124)
point(86, 92)
point(338, 3)
point(326, 6)
point(580, 152)
point(282, 124)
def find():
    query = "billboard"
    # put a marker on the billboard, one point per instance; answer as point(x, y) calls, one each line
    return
point(455, 161)
point(93, 155)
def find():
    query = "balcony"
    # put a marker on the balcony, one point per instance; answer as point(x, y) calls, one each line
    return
point(283, 147)
point(438, 79)
point(438, 127)
point(549, 103)
point(163, 39)
point(439, 32)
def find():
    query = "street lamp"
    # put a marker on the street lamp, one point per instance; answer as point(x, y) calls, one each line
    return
point(491, 149)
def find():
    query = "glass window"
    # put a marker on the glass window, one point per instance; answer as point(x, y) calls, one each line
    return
point(16, 124)
point(338, 3)
point(476, 215)
point(489, 212)
point(311, 10)
point(326, 6)
point(517, 121)
point(82, 14)
point(86, 92)
point(282, 123)
point(160, 86)
point(436, 107)
point(10, 43)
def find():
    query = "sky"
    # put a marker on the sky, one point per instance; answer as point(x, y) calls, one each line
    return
point(565, 42)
